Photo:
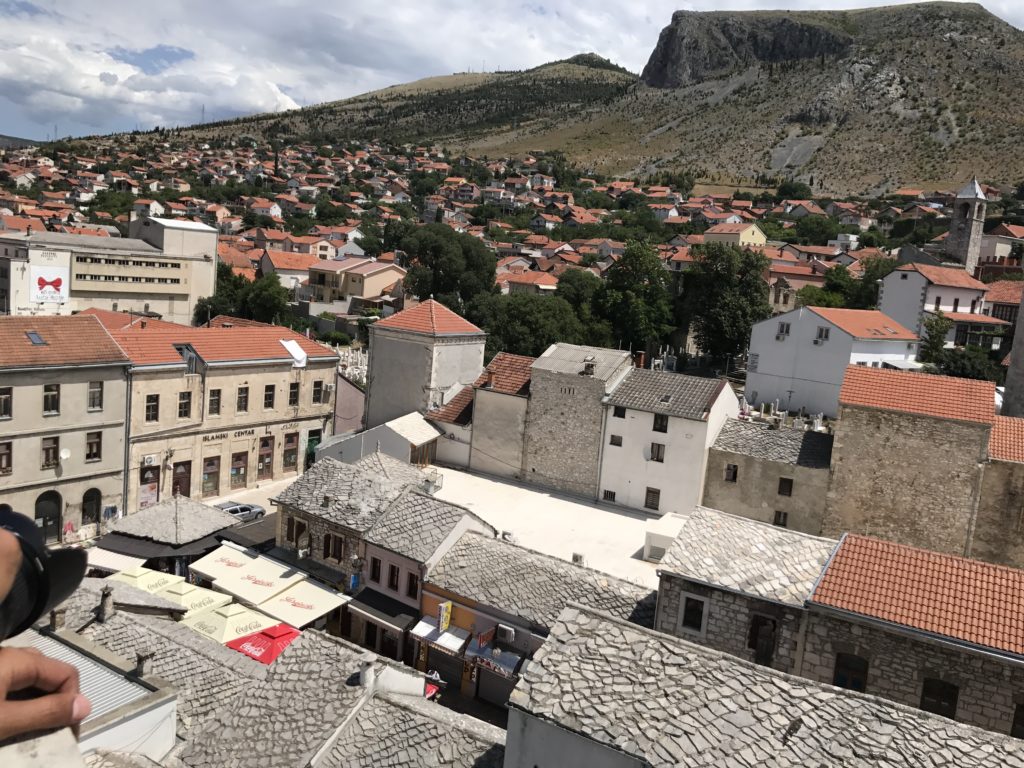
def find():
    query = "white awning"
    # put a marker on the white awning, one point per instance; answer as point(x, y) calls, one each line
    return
point(192, 598)
point(105, 560)
point(224, 560)
point(451, 639)
point(426, 629)
point(303, 603)
point(249, 577)
point(147, 579)
point(229, 622)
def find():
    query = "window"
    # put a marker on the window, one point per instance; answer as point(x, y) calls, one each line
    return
point(1017, 729)
point(215, 402)
point(6, 402)
point(657, 452)
point(337, 548)
point(608, 496)
point(956, 304)
point(619, 412)
point(393, 577)
point(184, 405)
point(290, 529)
point(615, 440)
point(242, 402)
point(903, 276)
point(850, 672)
point(95, 396)
point(660, 422)
point(269, 392)
point(731, 473)
point(51, 399)
point(939, 697)
point(692, 614)
point(785, 486)
point(761, 639)
point(6, 467)
point(327, 545)
point(51, 452)
point(822, 333)
point(758, 625)
point(652, 499)
point(938, 303)
point(291, 450)
point(783, 329)
point(781, 518)
point(93, 446)
point(152, 408)
point(412, 585)
point(318, 392)
point(375, 569)
point(293, 393)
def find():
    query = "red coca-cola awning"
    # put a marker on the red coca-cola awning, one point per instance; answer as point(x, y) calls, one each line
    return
point(265, 645)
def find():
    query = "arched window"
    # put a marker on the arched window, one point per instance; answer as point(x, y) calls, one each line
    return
point(92, 502)
point(48, 515)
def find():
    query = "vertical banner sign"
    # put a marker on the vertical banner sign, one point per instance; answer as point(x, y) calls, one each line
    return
point(149, 486)
point(444, 615)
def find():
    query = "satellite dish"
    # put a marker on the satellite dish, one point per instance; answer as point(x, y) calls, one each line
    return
point(65, 454)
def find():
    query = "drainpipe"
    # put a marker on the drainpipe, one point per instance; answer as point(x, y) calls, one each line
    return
point(972, 521)
point(127, 440)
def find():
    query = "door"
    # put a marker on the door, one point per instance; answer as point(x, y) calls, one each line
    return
point(493, 687)
point(48, 507)
point(265, 468)
point(448, 667)
point(370, 635)
point(211, 476)
point(239, 467)
point(181, 479)
point(91, 502)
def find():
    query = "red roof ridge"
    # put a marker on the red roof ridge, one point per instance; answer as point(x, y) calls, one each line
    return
point(429, 317)
point(924, 394)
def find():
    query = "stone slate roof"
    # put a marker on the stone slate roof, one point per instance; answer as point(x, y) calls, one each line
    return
point(81, 605)
point(403, 732)
point(672, 394)
point(415, 525)
point(176, 520)
point(746, 556)
point(570, 358)
point(667, 702)
point(786, 446)
point(532, 585)
point(358, 492)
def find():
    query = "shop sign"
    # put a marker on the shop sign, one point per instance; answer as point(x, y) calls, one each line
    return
point(444, 615)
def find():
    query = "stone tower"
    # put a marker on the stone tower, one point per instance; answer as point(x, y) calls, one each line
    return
point(1013, 396)
point(964, 240)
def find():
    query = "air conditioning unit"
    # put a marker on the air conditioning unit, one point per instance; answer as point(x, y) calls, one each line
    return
point(780, 337)
point(150, 460)
point(303, 553)
point(505, 634)
point(818, 342)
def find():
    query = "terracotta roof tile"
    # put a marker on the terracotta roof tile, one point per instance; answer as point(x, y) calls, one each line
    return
point(76, 340)
point(458, 410)
point(1007, 440)
point(1005, 292)
point(865, 323)
point(430, 317)
point(156, 346)
point(293, 261)
point(954, 277)
point(511, 374)
point(943, 397)
point(966, 600)
point(967, 317)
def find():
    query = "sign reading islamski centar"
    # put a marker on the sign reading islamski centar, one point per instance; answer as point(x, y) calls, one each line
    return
point(49, 279)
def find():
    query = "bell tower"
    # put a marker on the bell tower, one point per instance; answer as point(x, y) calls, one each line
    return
point(966, 226)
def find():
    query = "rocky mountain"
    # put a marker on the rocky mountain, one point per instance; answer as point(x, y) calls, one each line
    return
point(854, 101)
point(10, 142)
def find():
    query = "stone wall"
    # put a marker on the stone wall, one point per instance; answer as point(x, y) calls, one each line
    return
point(564, 423)
point(728, 618)
point(898, 665)
point(999, 527)
point(317, 528)
point(755, 494)
point(906, 478)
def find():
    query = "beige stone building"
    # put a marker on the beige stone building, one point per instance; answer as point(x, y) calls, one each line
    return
point(63, 385)
point(214, 410)
point(350, 278)
point(164, 268)
point(741, 235)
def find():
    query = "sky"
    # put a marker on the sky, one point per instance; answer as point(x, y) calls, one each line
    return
point(95, 66)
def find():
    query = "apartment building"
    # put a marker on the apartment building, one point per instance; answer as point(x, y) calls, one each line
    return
point(63, 395)
point(213, 410)
point(164, 268)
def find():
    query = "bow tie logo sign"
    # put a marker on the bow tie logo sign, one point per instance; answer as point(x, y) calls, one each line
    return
point(44, 283)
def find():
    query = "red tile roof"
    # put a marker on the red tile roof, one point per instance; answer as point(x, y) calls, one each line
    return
point(509, 374)
point(953, 277)
point(533, 277)
point(297, 262)
point(865, 324)
point(458, 410)
point(965, 600)
point(431, 317)
point(1007, 440)
point(112, 320)
point(156, 346)
point(968, 317)
point(1005, 291)
point(727, 229)
point(943, 397)
point(76, 340)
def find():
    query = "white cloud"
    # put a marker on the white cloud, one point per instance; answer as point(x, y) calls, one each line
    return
point(84, 65)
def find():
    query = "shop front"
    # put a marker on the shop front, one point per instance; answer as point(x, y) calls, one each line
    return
point(380, 623)
point(494, 670)
point(441, 650)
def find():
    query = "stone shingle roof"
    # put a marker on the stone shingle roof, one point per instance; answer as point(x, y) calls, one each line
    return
point(786, 446)
point(81, 605)
point(747, 556)
point(402, 732)
point(358, 493)
point(667, 702)
point(534, 586)
point(415, 525)
point(177, 520)
point(571, 359)
point(673, 394)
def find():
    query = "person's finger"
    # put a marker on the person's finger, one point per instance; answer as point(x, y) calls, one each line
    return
point(10, 561)
point(21, 668)
point(53, 710)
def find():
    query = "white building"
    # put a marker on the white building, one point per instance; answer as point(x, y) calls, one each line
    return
point(797, 360)
point(657, 431)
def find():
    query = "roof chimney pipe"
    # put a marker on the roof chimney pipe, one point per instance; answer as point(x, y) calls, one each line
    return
point(106, 609)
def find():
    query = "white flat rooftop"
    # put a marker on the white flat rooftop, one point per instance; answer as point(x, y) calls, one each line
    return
point(611, 539)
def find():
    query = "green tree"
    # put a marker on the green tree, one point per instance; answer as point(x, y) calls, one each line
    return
point(395, 231)
point(793, 190)
point(817, 230)
point(816, 296)
point(635, 298)
point(863, 293)
point(265, 300)
point(725, 294)
point(580, 288)
point(524, 323)
point(450, 266)
point(227, 292)
point(936, 328)
point(968, 363)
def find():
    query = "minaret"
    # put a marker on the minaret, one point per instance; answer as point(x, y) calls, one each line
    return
point(965, 229)
point(1013, 396)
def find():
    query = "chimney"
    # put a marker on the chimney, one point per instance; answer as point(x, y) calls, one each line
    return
point(57, 616)
point(640, 359)
point(325, 502)
point(490, 379)
point(577, 558)
point(143, 663)
point(367, 674)
point(143, 324)
point(106, 609)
